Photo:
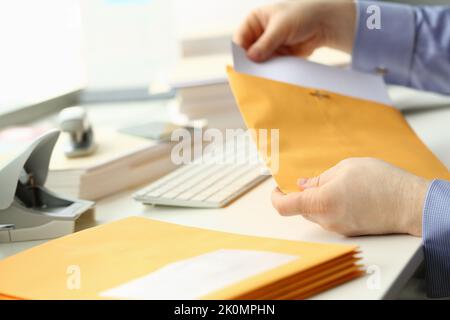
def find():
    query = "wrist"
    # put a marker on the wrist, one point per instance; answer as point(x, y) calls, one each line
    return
point(339, 21)
point(413, 205)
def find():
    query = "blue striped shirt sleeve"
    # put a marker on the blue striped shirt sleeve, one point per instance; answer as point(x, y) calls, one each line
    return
point(436, 239)
point(411, 46)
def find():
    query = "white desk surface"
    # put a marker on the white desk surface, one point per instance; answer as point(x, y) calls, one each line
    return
point(396, 257)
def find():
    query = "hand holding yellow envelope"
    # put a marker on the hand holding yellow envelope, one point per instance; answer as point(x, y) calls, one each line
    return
point(319, 128)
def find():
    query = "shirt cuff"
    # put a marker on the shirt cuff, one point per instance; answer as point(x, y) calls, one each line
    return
point(436, 239)
point(385, 47)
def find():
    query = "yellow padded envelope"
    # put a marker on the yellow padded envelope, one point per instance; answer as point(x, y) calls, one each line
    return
point(116, 253)
point(317, 129)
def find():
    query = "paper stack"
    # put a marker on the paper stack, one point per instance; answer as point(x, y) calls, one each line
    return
point(138, 258)
point(202, 86)
point(121, 161)
point(209, 43)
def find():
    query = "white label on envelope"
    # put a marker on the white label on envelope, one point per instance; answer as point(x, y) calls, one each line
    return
point(195, 277)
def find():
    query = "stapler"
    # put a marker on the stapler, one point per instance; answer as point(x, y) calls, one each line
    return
point(74, 121)
point(28, 210)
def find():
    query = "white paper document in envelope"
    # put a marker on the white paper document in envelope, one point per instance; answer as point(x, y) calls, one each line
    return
point(304, 73)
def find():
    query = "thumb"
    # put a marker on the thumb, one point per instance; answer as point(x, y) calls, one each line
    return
point(305, 202)
point(270, 40)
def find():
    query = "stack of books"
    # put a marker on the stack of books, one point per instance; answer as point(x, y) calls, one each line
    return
point(120, 162)
point(202, 86)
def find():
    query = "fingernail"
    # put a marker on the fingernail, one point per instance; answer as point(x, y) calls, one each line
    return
point(302, 181)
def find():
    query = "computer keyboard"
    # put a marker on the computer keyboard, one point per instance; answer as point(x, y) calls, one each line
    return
point(213, 181)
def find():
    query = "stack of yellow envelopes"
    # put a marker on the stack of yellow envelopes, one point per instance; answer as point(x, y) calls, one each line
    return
point(138, 258)
point(319, 128)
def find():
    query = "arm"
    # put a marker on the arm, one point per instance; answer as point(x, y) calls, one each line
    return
point(436, 238)
point(412, 44)
point(362, 196)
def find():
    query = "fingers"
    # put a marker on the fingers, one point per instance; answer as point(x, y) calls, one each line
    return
point(298, 50)
point(306, 47)
point(260, 38)
point(267, 44)
point(305, 202)
point(249, 31)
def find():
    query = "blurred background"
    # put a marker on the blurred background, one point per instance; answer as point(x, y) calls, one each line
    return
point(54, 46)
point(49, 47)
